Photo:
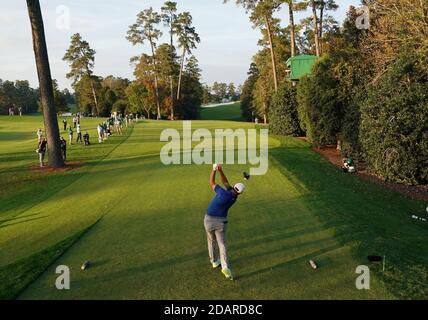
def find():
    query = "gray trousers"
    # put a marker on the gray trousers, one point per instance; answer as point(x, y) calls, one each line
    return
point(216, 235)
point(41, 157)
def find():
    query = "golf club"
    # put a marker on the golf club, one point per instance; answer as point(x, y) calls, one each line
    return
point(246, 176)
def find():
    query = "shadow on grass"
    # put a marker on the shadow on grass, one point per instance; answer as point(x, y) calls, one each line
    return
point(17, 218)
point(22, 189)
point(376, 220)
point(23, 221)
point(297, 260)
point(14, 278)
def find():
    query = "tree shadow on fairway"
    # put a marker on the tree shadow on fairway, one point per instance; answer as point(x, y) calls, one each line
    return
point(130, 161)
point(288, 263)
point(293, 246)
point(30, 191)
point(277, 237)
point(18, 218)
point(98, 263)
point(21, 222)
point(375, 219)
point(134, 272)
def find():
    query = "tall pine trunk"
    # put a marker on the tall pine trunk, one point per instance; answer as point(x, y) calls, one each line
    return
point(292, 28)
point(45, 83)
point(156, 81)
point(171, 83)
point(316, 31)
point(94, 95)
point(272, 53)
point(320, 27)
point(181, 73)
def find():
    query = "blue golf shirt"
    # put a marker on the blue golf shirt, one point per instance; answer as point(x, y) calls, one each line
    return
point(221, 203)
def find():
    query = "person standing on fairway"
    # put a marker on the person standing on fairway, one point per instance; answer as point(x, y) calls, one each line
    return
point(63, 145)
point(41, 150)
point(215, 220)
point(79, 134)
point(70, 135)
point(39, 135)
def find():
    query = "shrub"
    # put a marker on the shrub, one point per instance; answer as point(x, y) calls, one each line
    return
point(283, 117)
point(328, 101)
point(394, 126)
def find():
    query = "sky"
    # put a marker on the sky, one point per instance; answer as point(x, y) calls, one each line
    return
point(228, 40)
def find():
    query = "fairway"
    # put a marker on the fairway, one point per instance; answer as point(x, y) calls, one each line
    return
point(222, 112)
point(147, 239)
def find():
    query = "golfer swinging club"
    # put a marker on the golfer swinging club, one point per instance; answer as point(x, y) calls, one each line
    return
point(216, 219)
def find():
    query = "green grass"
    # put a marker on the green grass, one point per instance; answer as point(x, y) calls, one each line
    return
point(150, 242)
point(15, 277)
point(227, 112)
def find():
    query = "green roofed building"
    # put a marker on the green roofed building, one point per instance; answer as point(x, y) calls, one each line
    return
point(300, 66)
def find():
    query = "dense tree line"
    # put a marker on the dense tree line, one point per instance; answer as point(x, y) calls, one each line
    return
point(221, 92)
point(268, 70)
point(368, 92)
point(18, 94)
point(167, 83)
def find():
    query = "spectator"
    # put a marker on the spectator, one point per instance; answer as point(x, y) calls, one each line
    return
point(119, 125)
point(64, 123)
point(63, 148)
point(74, 122)
point(100, 133)
point(111, 123)
point(79, 134)
point(86, 139)
point(41, 150)
point(39, 135)
point(70, 135)
point(348, 165)
point(20, 111)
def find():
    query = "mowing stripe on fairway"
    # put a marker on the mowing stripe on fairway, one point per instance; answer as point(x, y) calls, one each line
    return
point(151, 244)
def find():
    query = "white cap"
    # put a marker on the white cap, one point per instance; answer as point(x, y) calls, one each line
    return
point(239, 187)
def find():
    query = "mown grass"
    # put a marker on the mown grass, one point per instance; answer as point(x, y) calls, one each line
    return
point(15, 277)
point(151, 242)
point(228, 112)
